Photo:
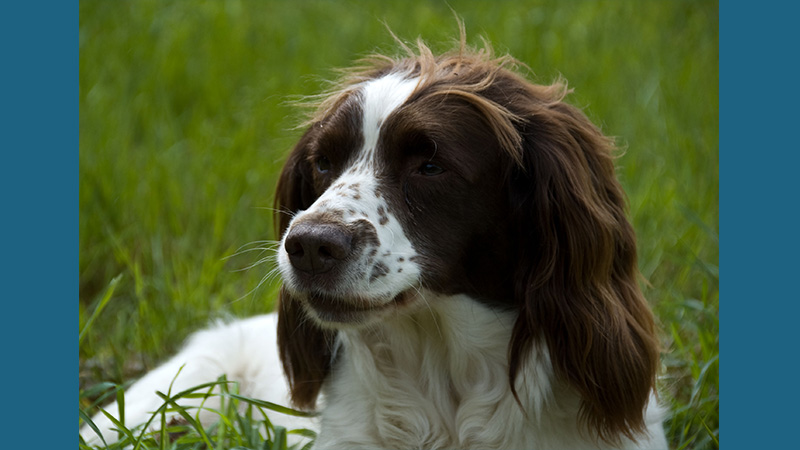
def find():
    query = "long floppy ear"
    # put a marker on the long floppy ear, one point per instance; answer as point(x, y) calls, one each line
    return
point(304, 347)
point(577, 284)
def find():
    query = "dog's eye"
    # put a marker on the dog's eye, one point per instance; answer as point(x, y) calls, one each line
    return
point(323, 164)
point(430, 170)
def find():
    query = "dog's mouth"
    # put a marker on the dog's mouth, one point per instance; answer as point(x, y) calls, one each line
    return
point(349, 311)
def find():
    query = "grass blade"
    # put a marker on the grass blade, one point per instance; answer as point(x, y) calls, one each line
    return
point(106, 297)
point(273, 406)
point(88, 421)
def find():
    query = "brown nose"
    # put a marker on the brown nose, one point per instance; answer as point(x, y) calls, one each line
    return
point(317, 248)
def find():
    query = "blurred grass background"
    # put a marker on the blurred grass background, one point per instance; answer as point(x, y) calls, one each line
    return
point(185, 121)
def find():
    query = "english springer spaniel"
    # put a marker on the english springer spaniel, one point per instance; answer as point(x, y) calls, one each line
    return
point(458, 272)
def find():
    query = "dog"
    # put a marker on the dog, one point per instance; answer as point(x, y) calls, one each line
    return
point(458, 272)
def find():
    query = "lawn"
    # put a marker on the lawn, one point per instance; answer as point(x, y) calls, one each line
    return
point(186, 115)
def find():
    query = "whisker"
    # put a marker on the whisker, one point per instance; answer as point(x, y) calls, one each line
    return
point(255, 246)
point(261, 250)
point(283, 210)
point(268, 277)
point(433, 314)
point(268, 258)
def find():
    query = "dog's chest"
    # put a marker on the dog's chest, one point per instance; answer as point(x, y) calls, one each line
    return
point(435, 380)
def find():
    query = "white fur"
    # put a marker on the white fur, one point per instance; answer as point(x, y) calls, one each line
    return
point(381, 97)
point(244, 350)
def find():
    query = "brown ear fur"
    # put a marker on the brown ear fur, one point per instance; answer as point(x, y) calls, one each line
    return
point(577, 282)
point(304, 347)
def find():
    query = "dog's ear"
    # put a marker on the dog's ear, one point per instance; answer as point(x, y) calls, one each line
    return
point(577, 281)
point(295, 190)
point(304, 347)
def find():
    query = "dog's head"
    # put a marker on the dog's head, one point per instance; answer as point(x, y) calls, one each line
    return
point(453, 174)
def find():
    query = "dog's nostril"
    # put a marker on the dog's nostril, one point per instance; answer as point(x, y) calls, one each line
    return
point(294, 247)
point(317, 248)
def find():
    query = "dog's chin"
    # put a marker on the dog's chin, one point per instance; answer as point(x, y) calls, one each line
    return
point(337, 312)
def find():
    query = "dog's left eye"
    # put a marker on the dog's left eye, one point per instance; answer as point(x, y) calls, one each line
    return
point(430, 170)
point(323, 164)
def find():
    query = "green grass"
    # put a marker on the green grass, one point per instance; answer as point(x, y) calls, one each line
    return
point(185, 119)
point(245, 427)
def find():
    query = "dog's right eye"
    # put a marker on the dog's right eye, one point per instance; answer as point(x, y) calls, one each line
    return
point(430, 170)
point(323, 164)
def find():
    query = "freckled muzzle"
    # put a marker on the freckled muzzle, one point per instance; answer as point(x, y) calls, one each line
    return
point(348, 268)
point(333, 265)
point(327, 255)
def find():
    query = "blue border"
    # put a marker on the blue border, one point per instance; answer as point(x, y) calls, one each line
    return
point(758, 202)
point(39, 182)
point(759, 228)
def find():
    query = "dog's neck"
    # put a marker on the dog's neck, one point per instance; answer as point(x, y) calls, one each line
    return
point(449, 336)
point(431, 379)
